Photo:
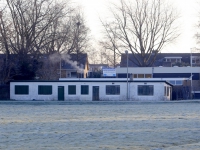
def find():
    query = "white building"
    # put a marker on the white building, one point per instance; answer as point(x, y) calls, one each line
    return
point(160, 72)
point(187, 77)
point(112, 89)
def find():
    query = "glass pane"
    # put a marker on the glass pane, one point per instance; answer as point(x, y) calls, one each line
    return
point(73, 74)
point(135, 76)
point(145, 90)
point(140, 75)
point(167, 91)
point(44, 89)
point(147, 75)
point(72, 89)
point(172, 82)
point(165, 88)
point(112, 90)
point(179, 82)
point(84, 89)
point(22, 89)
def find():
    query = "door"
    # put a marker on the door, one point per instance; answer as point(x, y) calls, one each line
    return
point(95, 93)
point(61, 95)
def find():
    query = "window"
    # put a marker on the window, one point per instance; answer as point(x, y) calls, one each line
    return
point(178, 60)
point(168, 91)
point(168, 60)
point(140, 75)
point(22, 89)
point(165, 91)
point(172, 59)
point(145, 89)
point(84, 89)
point(172, 82)
point(147, 75)
point(68, 74)
point(179, 82)
point(44, 89)
point(193, 61)
point(197, 60)
point(73, 74)
point(72, 89)
point(112, 89)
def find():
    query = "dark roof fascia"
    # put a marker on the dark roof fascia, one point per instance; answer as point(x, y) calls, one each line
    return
point(68, 69)
point(154, 81)
point(91, 81)
point(169, 83)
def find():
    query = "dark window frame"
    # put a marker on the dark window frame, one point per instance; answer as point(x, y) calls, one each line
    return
point(71, 91)
point(45, 89)
point(112, 89)
point(84, 89)
point(168, 91)
point(145, 90)
point(165, 90)
point(23, 91)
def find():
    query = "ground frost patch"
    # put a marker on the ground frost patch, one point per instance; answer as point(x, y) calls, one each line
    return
point(89, 126)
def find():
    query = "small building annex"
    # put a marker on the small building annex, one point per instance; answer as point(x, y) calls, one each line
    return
point(92, 90)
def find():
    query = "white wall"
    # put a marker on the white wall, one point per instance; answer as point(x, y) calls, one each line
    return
point(33, 91)
point(158, 94)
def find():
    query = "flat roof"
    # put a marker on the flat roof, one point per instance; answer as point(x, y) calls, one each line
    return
point(94, 80)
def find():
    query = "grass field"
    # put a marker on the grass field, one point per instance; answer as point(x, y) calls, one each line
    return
point(99, 125)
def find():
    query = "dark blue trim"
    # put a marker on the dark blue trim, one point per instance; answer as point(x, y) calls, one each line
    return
point(122, 75)
point(168, 75)
point(114, 81)
point(176, 75)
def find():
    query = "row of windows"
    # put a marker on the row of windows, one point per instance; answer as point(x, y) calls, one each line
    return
point(47, 89)
point(175, 59)
point(42, 89)
point(142, 76)
point(72, 89)
point(110, 89)
point(176, 82)
point(195, 60)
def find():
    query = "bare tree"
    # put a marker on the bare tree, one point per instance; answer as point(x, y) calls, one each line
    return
point(24, 32)
point(197, 35)
point(31, 28)
point(110, 43)
point(6, 63)
point(68, 34)
point(109, 54)
point(70, 37)
point(141, 27)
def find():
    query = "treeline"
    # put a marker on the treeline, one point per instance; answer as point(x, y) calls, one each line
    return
point(31, 29)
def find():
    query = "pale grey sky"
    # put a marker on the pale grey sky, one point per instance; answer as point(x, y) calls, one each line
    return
point(188, 10)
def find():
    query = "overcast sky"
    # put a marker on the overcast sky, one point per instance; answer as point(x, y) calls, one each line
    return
point(188, 9)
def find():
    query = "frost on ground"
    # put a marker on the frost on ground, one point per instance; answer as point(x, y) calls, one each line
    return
point(103, 126)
